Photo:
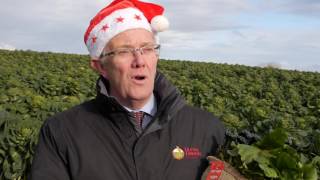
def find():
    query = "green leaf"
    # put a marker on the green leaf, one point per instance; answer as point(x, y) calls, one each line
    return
point(309, 172)
point(2, 153)
point(14, 155)
point(285, 161)
point(248, 153)
point(269, 172)
point(6, 168)
point(275, 139)
point(316, 160)
point(233, 152)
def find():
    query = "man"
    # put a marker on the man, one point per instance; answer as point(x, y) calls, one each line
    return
point(138, 126)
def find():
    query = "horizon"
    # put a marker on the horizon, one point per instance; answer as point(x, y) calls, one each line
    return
point(270, 65)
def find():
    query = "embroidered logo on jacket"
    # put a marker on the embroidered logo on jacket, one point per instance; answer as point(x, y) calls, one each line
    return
point(178, 153)
point(186, 152)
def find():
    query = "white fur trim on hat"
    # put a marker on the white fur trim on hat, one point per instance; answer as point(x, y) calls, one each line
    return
point(117, 22)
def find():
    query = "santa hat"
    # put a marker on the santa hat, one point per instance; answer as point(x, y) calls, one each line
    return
point(119, 16)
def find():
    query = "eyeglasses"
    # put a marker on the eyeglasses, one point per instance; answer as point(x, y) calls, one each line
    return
point(130, 52)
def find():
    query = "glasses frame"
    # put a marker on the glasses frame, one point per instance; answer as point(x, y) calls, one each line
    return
point(116, 52)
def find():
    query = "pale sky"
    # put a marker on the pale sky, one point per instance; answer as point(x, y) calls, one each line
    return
point(249, 32)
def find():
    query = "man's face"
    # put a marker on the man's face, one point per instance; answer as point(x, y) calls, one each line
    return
point(131, 77)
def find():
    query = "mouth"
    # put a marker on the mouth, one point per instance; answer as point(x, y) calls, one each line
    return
point(139, 77)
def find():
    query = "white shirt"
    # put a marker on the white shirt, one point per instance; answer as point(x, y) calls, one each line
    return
point(150, 109)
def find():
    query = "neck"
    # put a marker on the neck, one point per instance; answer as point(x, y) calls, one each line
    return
point(134, 104)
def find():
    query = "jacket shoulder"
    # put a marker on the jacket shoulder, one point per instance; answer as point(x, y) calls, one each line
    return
point(203, 121)
point(71, 116)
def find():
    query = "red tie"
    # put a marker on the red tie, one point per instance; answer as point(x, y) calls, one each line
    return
point(138, 116)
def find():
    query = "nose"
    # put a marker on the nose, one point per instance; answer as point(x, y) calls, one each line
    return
point(139, 60)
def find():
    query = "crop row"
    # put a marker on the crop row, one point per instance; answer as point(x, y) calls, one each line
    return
point(251, 101)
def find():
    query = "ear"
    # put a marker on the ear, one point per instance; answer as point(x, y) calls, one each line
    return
point(98, 67)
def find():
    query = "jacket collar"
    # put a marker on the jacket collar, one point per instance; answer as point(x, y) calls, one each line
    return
point(168, 98)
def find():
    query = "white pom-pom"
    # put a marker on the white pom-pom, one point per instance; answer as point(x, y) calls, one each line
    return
point(159, 23)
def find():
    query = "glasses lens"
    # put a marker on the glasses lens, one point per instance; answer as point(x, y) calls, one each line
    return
point(128, 52)
point(148, 49)
point(123, 52)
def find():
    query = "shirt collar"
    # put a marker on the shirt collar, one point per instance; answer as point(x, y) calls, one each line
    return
point(150, 107)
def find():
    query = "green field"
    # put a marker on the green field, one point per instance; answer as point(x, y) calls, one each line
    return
point(251, 101)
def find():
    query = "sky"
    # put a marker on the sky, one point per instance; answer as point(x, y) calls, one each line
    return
point(284, 33)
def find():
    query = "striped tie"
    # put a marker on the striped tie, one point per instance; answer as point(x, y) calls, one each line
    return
point(138, 116)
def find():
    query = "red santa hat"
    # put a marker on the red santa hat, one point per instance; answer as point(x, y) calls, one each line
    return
point(119, 16)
